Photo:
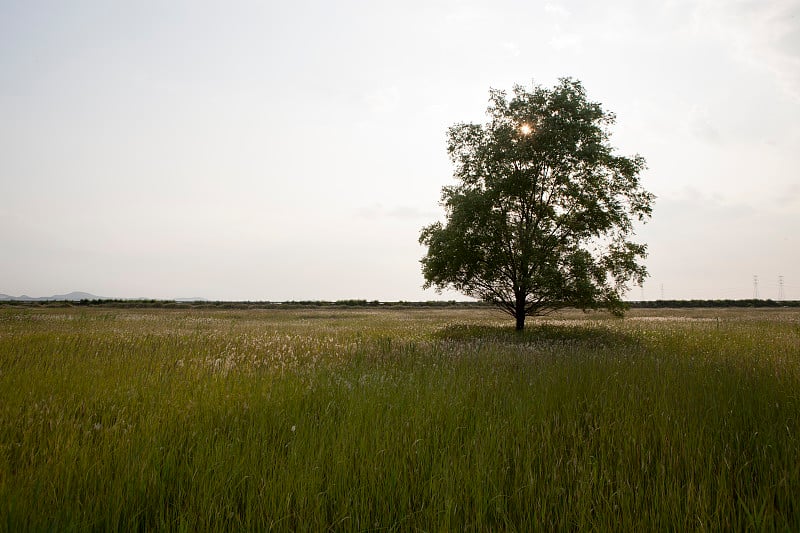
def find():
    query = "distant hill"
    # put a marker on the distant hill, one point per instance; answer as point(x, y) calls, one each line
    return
point(71, 297)
point(77, 296)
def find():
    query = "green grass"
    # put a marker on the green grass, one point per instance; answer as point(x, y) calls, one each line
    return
point(394, 420)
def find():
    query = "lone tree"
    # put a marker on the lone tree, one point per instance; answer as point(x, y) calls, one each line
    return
point(543, 210)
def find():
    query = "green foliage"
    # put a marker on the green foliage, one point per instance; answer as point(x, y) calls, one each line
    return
point(398, 420)
point(542, 213)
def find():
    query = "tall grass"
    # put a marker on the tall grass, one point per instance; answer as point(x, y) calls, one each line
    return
point(398, 420)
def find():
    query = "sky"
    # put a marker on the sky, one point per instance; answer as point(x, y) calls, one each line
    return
point(294, 150)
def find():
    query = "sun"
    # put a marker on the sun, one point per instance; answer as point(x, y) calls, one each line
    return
point(526, 129)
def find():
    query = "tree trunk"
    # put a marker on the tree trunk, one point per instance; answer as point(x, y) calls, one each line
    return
point(519, 312)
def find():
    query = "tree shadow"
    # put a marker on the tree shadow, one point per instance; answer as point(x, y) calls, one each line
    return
point(590, 335)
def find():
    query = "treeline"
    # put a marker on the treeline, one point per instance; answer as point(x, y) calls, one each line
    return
point(658, 304)
point(312, 304)
point(301, 304)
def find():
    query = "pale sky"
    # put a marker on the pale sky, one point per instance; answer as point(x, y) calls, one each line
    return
point(293, 150)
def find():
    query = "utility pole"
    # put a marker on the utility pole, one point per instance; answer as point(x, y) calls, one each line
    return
point(755, 287)
point(781, 296)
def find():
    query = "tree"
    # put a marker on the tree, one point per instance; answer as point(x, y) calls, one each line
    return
point(542, 212)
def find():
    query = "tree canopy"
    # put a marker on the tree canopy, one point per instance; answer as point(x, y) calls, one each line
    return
point(542, 214)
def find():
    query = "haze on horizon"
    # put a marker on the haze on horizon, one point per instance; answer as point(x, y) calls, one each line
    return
point(292, 151)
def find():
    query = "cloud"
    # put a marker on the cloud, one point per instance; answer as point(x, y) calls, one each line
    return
point(511, 48)
point(789, 199)
point(466, 15)
point(765, 35)
point(702, 245)
point(701, 126)
point(385, 100)
point(557, 10)
point(563, 40)
point(398, 212)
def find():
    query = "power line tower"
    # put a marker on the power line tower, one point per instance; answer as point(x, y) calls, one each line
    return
point(755, 287)
point(781, 296)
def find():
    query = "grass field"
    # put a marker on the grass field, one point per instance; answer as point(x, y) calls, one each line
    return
point(394, 420)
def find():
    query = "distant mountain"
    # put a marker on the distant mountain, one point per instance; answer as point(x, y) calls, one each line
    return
point(72, 297)
point(77, 296)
